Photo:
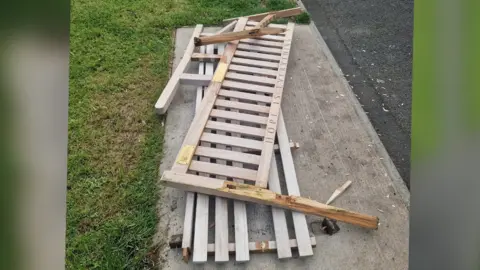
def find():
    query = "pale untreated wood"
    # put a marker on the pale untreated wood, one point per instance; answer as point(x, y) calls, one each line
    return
point(195, 79)
point(246, 86)
point(204, 57)
point(278, 14)
point(233, 141)
point(227, 155)
point(254, 23)
point(196, 128)
point(170, 89)
point(241, 106)
point(249, 78)
point(254, 63)
point(278, 215)
point(338, 192)
point(258, 56)
point(263, 246)
point(229, 27)
point(264, 43)
point(265, 21)
point(251, 131)
point(299, 220)
point(226, 37)
point(224, 170)
point(254, 48)
point(269, 139)
point(244, 96)
point(280, 34)
point(255, 194)
point(271, 38)
point(253, 70)
point(239, 116)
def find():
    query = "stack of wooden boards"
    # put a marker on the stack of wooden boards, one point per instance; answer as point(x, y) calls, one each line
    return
point(228, 150)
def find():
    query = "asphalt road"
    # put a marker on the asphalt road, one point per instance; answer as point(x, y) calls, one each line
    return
point(372, 43)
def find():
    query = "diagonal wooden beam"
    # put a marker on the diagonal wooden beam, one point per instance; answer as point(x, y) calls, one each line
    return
point(278, 14)
point(265, 21)
point(226, 37)
point(250, 193)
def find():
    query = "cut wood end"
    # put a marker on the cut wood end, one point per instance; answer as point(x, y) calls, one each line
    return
point(185, 254)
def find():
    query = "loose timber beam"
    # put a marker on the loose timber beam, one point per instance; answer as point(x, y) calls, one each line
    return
point(265, 21)
point(250, 193)
point(229, 27)
point(171, 88)
point(226, 37)
point(278, 14)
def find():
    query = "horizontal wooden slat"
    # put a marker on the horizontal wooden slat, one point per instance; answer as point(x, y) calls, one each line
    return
point(239, 116)
point(195, 79)
point(250, 78)
point(259, 42)
point(254, 48)
point(245, 96)
point(257, 56)
point(223, 170)
point(271, 38)
point(245, 130)
point(254, 63)
point(276, 25)
point(253, 70)
point(233, 141)
point(242, 106)
point(247, 86)
point(205, 57)
point(227, 155)
point(261, 246)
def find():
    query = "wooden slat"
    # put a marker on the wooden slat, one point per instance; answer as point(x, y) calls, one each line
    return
point(270, 25)
point(269, 139)
point(254, 23)
point(255, 194)
point(244, 96)
point(233, 36)
point(242, 106)
point(271, 38)
point(264, 43)
point(278, 215)
point(223, 170)
point(202, 211)
point(257, 56)
point(195, 79)
point(233, 141)
point(170, 89)
point(299, 220)
point(239, 116)
point(279, 14)
point(196, 128)
point(227, 155)
point(229, 27)
point(253, 70)
point(254, 48)
point(262, 246)
point(251, 131)
point(250, 78)
point(247, 86)
point(203, 57)
point(254, 63)
point(188, 223)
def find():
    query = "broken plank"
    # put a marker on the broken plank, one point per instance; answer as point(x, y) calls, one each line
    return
point(170, 89)
point(266, 20)
point(226, 37)
point(278, 14)
point(255, 194)
point(299, 220)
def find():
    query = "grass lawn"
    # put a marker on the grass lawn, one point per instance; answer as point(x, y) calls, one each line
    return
point(120, 52)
